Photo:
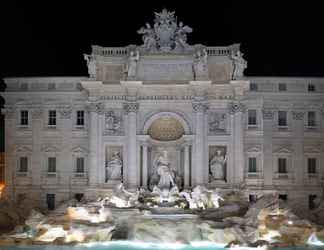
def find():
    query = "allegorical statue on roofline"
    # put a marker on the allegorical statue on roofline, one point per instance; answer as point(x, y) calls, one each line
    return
point(167, 35)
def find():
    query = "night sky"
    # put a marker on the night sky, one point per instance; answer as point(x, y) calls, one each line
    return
point(48, 38)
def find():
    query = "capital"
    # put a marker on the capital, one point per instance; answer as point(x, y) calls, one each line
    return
point(235, 107)
point(65, 112)
point(97, 107)
point(199, 107)
point(9, 112)
point(130, 107)
point(298, 115)
point(37, 113)
point(267, 114)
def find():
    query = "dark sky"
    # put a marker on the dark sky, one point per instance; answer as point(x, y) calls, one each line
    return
point(48, 38)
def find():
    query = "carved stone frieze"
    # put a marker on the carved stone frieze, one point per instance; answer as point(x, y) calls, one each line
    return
point(130, 107)
point(298, 115)
point(216, 122)
point(113, 123)
point(199, 107)
point(234, 107)
point(267, 114)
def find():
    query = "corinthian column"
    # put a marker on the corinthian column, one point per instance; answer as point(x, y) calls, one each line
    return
point(94, 110)
point(200, 170)
point(131, 175)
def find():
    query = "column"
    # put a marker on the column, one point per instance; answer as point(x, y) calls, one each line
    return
point(186, 166)
point(268, 116)
point(37, 169)
point(95, 108)
point(131, 109)
point(10, 163)
point(297, 129)
point(236, 110)
point(200, 171)
point(144, 167)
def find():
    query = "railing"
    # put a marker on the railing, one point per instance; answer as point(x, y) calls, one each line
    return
point(122, 51)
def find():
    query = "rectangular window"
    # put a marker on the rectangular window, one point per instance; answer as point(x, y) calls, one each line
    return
point(311, 165)
point(311, 88)
point(253, 87)
point(23, 164)
point(282, 87)
point(252, 117)
point(80, 165)
point(282, 165)
point(283, 197)
point(311, 119)
point(24, 117)
point(253, 198)
point(282, 118)
point(311, 201)
point(252, 165)
point(51, 165)
point(80, 118)
point(52, 117)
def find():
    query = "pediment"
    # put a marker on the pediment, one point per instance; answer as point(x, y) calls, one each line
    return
point(50, 148)
point(79, 149)
point(312, 149)
point(253, 149)
point(23, 149)
point(283, 150)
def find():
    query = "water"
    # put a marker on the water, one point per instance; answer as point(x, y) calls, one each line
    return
point(142, 246)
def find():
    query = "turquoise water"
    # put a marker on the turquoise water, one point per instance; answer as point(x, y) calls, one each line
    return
point(139, 246)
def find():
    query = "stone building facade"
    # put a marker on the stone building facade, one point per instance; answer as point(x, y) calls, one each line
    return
point(190, 104)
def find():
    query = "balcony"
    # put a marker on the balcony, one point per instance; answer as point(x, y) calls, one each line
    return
point(50, 178)
point(254, 178)
point(79, 178)
point(23, 178)
point(283, 178)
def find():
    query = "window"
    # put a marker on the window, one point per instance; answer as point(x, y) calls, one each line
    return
point(311, 201)
point(311, 88)
point(311, 165)
point(51, 165)
point(80, 165)
point(23, 164)
point(282, 165)
point(80, 118)
point(52, 117)
point(79, 196)
point(253, 198)
point(24, 117)
point(311, 119)
point(283, 197)
point(252, 165)
point(282, 87)
point(253, 87)
point(252, 117)
point(282, 118)
point(50, 201)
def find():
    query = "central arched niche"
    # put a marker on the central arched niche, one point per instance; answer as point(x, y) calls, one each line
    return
point(166, 128)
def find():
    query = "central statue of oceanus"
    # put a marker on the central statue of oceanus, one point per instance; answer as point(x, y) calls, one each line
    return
point(166, 35)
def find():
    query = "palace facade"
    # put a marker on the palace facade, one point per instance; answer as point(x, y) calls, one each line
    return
point(187, 105)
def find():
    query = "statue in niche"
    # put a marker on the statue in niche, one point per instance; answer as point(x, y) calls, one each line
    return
point(161, 168)
point(217, 165)
point(239, 65)
point(114, 167)
point(112, 122)
point(148, 37)
point(181, 36)
point(217, 123)
point(201, 65)
point(131, 66)
point(91, 63)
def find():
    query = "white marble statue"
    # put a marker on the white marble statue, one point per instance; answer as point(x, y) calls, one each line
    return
point(239, 65)
point(217, 165)
point(166, 195)
point(122, 198)
point(148, 37)
point(91, 63)
point(181, 35)
point(114, 167)
point(201, 65)
point(131, 67)
point(112, 122)
point(161, 166)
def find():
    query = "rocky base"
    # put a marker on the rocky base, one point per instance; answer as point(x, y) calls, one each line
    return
point(234, 223)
